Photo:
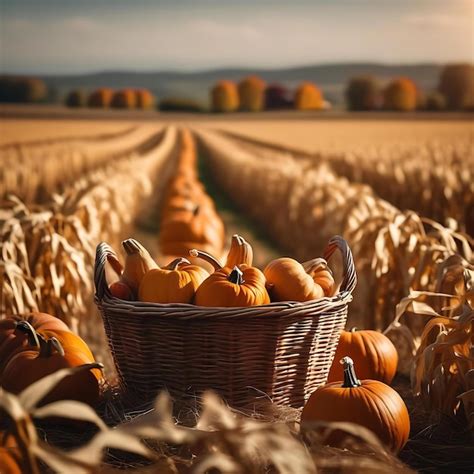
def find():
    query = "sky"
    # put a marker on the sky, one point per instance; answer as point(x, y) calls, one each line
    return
point(83, 36)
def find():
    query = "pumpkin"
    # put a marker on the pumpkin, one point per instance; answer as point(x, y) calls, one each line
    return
point(10, 457)
point(288, 281)
point(16, 332)
point(369, 403)
point(375, 355)
point(121, 290)
point(137, 263)
point(240, 252)
point(62, 351)
point(175, 283)
point(229, 287)
point(188, 229)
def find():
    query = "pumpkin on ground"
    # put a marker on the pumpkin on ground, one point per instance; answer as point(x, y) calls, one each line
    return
point(230, 287)
point(373, 353)
point(175, 283)
point(288, 280)
point(10, 457)
point(63, 350)
point(18, 332)
point(369, 403)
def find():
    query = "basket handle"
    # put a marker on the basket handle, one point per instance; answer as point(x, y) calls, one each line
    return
point(101, 287)
point(349, 280)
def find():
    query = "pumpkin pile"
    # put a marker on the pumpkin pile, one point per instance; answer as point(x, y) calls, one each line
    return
point(38, 345)
point(189, 217)
point(236, 283)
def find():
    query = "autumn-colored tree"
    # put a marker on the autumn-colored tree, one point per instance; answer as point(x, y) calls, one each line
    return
point(75, 98)
point(401, 95)
point(308, 97)
point(144, 99)
point(22, 89)
point(100, 98)
point(277, 97)
point(252, 94)
point(124, 99)
point(457, 85)
point(224, 97)
point(363, 93)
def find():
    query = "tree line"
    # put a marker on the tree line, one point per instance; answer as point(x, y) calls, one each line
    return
point(455, 91)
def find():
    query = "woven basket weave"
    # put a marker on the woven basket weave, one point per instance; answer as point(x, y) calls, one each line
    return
point(280, 350)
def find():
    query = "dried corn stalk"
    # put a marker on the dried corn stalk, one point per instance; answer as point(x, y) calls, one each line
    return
point(49, 252)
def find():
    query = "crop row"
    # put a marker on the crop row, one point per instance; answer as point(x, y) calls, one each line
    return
point(34, 171)
point(302, 204)
point(48, 252)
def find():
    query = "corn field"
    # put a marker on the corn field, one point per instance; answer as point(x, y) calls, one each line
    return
point(407, 212)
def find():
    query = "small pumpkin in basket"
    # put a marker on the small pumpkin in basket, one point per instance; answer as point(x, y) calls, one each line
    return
point(289, 280)
point(137, 263)
point(374, 353)
point(175, 283)
point(241, 285)
point(369, 403)
point(63, 350)
point(240, 252)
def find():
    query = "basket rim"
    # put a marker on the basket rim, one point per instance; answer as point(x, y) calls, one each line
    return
point(104, 299)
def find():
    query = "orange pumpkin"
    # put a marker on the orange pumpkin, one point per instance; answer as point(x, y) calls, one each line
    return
point(229, 287)
point(370, 403)
point(375, 355)
point(175, 283)
point(240, 253)
point(184, 230)
point(10, 457)
point(63, 350)
point(137, 263)
point(288, 281)
point(17, 332)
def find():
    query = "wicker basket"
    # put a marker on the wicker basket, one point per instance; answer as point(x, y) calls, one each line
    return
point(281, 350)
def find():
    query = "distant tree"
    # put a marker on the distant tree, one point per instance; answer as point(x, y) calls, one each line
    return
point(178, 104)
point(75, 98)
point(308, 97)
point(277, 97)
point(124, 99)
point(401, 95)
point(224, 97)
point(21, 89)
point(363, 93)
point(144, 99)
point(456, 83)
point(100, 98)
point(435, 101)
point(252, 94)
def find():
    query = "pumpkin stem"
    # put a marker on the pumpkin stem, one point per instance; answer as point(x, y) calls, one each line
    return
point(196, 210)
point(176, 263)
point(236, 276)
point(207, 257)
point(47, 347)
point(28, 329)
point(132, 246)
point(350, 377)
point(354, 329)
